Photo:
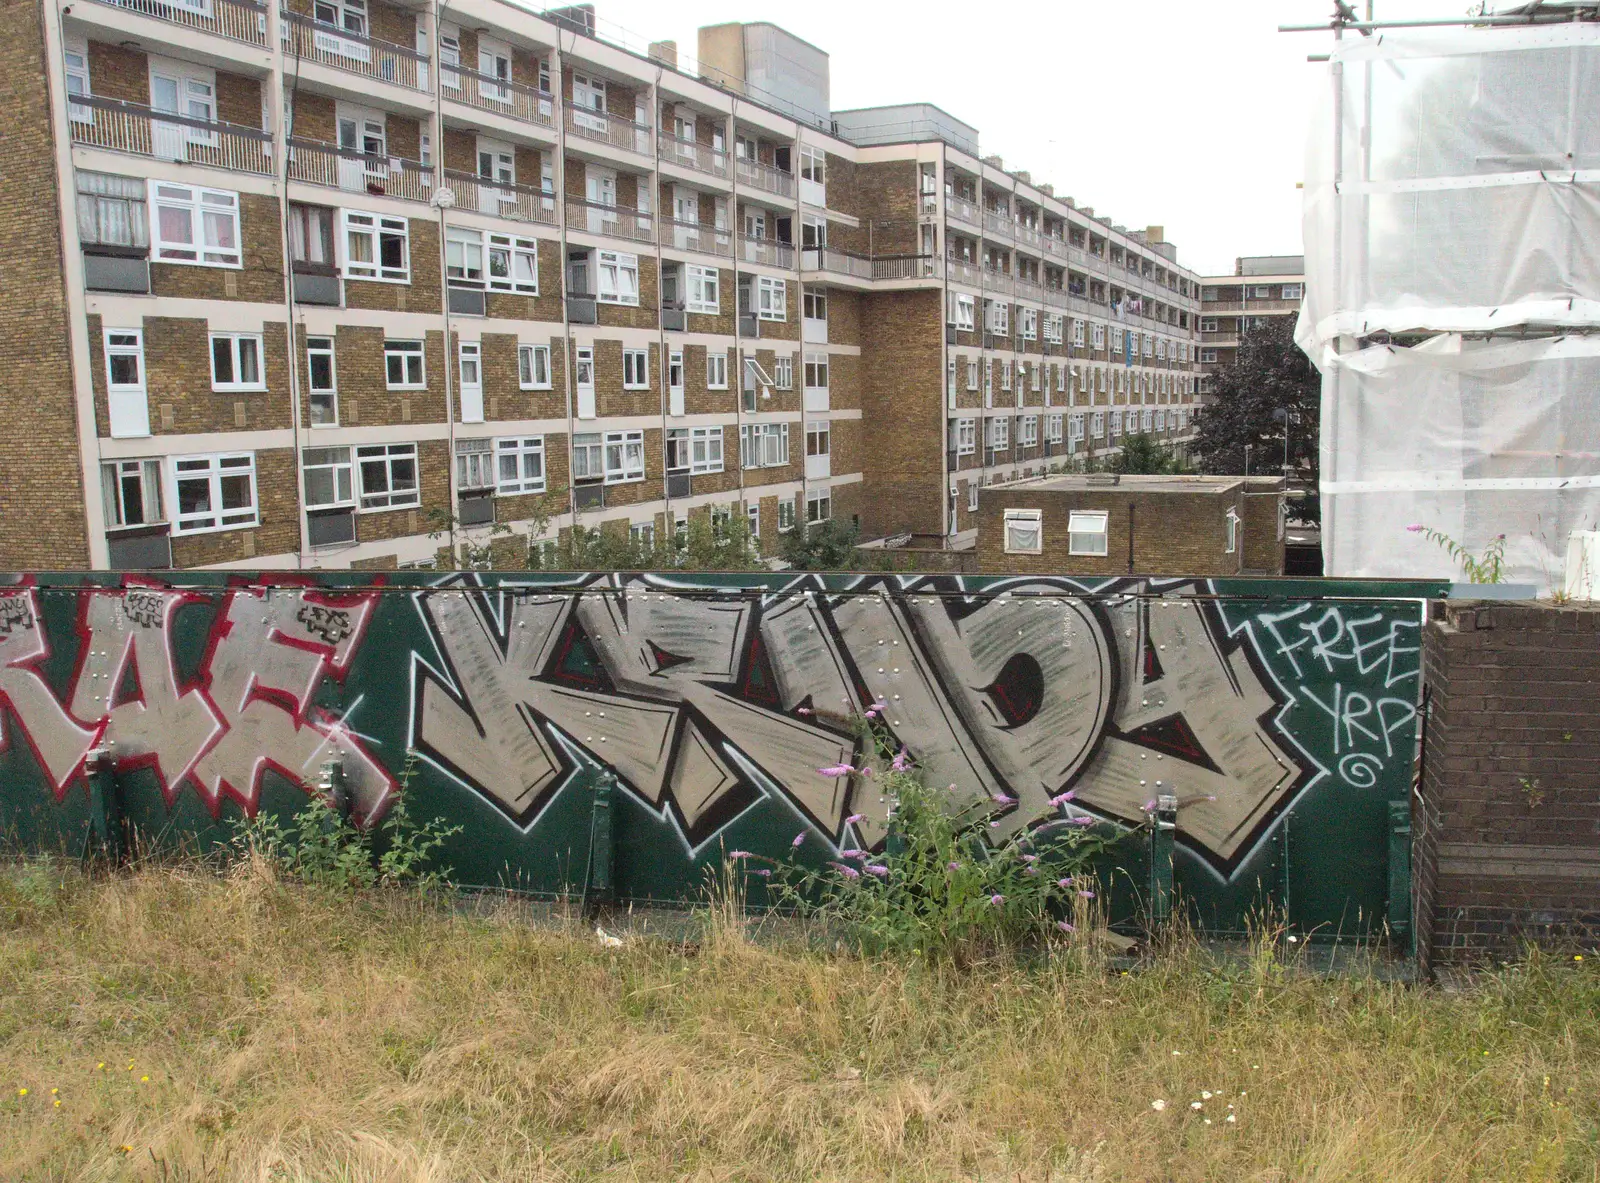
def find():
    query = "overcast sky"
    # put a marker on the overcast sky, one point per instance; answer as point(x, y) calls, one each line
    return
point(1188, 114)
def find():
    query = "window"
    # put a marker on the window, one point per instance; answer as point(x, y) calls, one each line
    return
point(194, 226)
point(813, 165)
point(111, 212)
point(324, 388)
point(972, 375)
point(815, 304)
point(1086, 532)
point(533, 367)
point(716, 371)
point(818, 438)
point(311, 238)
point(236, 362)
point(816, 371)
point(587, 457)
point(329, 477)
point(519, 465)
point(76, 68)
point(216, 492)
point(125, 361)
point(474, 464)
point(785, 515)
point(999, 434)
point(469, 360)
point(1030, 324)
point(1291, 291)
point(1208, 324)
point(704, 294)
point(1005, 374)
point(997, 318)
point(643, 534)
point(813, 233)
point(677, 449)
point(1097, 424)
point(513, 264)
point(1077, 333)
point(402, 364)
point(675, 378)
point(764, 445)
point(772, 298)
point(132, 492)
point(376, 247)
point(1052, 429)
point(1099, 336)
point(349, 15)
point(1261, 292)
point(624, 456)
point(1028, 431)
point(783, 372)
point(1208, 355)
point(1231, 523)
point(819, 506)
point(635, 369)
point(966, 437)
point(963, 311)
point(1024, 534)
point(619, 278)
point(463, 257)
point(388, 476)
point(589, 94)
point(705, 449)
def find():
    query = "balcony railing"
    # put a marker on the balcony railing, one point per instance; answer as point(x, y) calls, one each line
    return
point(515, 99)
point(1027, 233)
point(996, 281)
point(589, 124)
point(962, 271)
point(766, 250)
point(838, 262)
point(1212, 306)
point(238, 20)
point(755, 175)
point(962, 210)
point(615, 220)
point(998, 223)
point(143, 131)
point(503, 199)
point(693, 236)
point(317, 163)
point(905, 267)
point(367, 56)
point(1028, 290)
point(692, 154)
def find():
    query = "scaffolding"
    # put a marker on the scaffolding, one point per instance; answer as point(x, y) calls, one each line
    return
point(1452, 234)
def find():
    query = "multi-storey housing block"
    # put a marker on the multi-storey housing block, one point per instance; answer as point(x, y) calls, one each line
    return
point(1261, 287)
point(341, 282)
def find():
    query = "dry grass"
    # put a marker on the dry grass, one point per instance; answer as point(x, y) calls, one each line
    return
point(249, 1030)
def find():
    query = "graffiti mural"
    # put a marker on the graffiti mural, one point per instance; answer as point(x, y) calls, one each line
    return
point(716, 701)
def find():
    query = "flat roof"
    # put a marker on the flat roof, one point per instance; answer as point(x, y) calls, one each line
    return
point(1095, 482)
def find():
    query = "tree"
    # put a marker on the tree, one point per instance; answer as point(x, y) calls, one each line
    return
point(1269, 394)
point(1143, 453)
point(821, 546)
point(709, 544)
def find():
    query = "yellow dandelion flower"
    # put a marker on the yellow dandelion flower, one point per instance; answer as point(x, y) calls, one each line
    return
point(58, 1104)
point(100, 1067)
point(126, 1149)
point(144, 1080)
point(1577, 957)
point(53, 1092)
point(22, 1092)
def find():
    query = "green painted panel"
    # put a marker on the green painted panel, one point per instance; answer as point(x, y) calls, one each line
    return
point(716, 700)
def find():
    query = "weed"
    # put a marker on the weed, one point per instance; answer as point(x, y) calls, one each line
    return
point(1487, 568)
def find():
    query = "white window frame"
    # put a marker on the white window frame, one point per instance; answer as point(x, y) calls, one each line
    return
point(198, 204)
point(783, 372)
point(322, 346)
point(403, 349)
point(1208, 357)
point(635, 369)
point(785, 520)
point(813, 164)
point(1005, 374)
point(375, 228)
point(75, 68)
point(531, 361)
point(764, 445)
point(716, 370)
point(1028, 431)
point(613, 271)
point(1292, 291)
point(336, 460)
point(133, 349)
point(1030, 324)
point(152, 491)
point(1231, 525)
point(219, 466)
point(819, 437)
point(703, 292)
point(997, 318)
point(966, 436)
point(588, 456)
point(391, 498)
point(999, 433)
point(1054, 426)
point(238, 345)
point(1099, 336)
point(519, 449)
point(463, 258)
point(1088, 533)
point(772, 298)
point(514, 251)
point(1021, 525)
point(972, 375)
point(628, 448)
point(819, 506)
point(965, 311)
point(705, 450)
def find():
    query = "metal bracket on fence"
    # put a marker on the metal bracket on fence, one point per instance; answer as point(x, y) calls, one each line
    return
point(107, 820)
point(1400, 928)
point(334, 789)
point(1161, 838)
point(599, 885)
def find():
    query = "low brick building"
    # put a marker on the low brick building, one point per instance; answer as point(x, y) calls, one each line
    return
point(1112, 524)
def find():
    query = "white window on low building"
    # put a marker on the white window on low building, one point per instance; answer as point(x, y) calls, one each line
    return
point(1087, 531)
point(1024, 532)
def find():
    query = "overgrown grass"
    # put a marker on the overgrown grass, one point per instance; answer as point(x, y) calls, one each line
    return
point(173, 1024)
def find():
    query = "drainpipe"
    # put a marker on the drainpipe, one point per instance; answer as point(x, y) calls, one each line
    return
point(1130, 536)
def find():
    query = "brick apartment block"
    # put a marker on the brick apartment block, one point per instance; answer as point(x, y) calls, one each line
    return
point(1262, 288)
point(297, 286)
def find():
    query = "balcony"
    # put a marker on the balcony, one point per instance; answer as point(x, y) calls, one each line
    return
point(1213, 306)
point(837, 262)
point(692, 236)
point(588, 124)
point(317, 163)
point(962, 210)
point(314, 41)
point(961, 271)
point(996, 280)
point(237, 20)
point(501, 96)
point(503, 199)
point(692, 154)
point(1026, 289)
point(1027, 234)
point(756, 175)
point(905, 267)
point(766, 250)
point(614, 220)
point(998, 222)
point(116, 126)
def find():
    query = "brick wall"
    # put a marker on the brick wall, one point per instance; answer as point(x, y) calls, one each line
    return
point(1506, 826)
point(902, 392)
point(41, 495)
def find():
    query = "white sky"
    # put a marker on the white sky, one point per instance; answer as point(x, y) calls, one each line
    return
point(1187, 114)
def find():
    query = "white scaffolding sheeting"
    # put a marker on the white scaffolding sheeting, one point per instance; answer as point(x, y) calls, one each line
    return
point(1453, 187)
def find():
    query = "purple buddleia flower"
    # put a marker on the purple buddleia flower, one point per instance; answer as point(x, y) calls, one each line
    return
point(1088, 895)
point(953, 867)
point(847, 871)
point(902, 762)
point(1031, 871)
point(1149, 806)
point(798, 838)
point(763, 872)
point(1064, 926)
point(739, 854)
point(1063, 884)
point(1030, 858)
point(997, 899)
point(1415, 528)
point(803, 711)
point(855, 819)
point(1058, 802)
point(836, 770)
point(853, 853)
point(1003, 797)
point(878, 869)
point(1080, 821)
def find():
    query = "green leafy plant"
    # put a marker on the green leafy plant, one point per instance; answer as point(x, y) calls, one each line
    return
point(941, 889)
point(1487, 568)
point(322, 847)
